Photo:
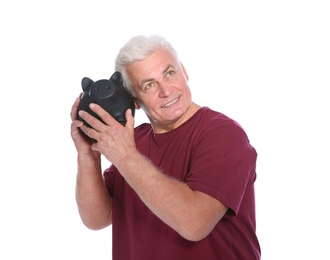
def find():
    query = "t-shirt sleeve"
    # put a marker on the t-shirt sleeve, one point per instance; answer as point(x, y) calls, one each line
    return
point(109, 178)
point(223, 164)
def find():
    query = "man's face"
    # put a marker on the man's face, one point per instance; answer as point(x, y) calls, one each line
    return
point(161, 90)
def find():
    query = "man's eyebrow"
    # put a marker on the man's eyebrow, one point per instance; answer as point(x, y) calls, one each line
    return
point(145, 81)
point(167, 68)
point(164, 72)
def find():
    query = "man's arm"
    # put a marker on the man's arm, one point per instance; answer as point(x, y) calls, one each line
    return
point(191, 213)
point(93, 200)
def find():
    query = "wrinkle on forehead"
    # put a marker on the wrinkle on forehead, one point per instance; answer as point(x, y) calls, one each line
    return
point(150, 68)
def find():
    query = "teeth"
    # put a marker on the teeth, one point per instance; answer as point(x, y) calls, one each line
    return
point(172, 102)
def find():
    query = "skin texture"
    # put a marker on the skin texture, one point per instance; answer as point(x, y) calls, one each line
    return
point(161, 90)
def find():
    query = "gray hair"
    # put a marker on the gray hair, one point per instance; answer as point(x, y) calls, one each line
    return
point(139, 48)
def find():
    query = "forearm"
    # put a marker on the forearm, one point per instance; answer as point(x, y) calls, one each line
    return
point(93, 201)
point(183, 209)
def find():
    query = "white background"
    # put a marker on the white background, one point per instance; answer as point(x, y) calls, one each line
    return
point(264, 63)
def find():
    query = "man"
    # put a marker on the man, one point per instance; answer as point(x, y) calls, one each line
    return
point(181, 187)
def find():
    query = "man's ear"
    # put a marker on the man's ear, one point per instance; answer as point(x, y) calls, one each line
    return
point(184, 71)
point(137, 106)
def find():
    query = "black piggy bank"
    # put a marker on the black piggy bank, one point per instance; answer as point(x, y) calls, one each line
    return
point(110, 94)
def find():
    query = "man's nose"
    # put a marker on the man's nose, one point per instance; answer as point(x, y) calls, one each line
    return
point(164, 89)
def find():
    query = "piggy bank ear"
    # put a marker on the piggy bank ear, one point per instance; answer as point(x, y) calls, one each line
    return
point(86, 83)
point(116, 76)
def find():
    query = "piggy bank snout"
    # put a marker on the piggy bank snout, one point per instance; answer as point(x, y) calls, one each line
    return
point(103, 89)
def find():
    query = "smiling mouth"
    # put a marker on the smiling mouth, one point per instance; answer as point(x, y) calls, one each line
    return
point(171, 103)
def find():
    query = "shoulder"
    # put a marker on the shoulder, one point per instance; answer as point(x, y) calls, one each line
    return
point(217, 129)
point(211, 119)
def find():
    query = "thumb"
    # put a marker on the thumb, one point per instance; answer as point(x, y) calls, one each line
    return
point(129, 119)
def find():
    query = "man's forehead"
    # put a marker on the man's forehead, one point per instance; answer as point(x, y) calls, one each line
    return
point(155, 64)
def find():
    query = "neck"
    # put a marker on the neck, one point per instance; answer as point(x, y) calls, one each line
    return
point(158, 129)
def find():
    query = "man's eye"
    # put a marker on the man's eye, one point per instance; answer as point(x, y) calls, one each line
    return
point(170, 73)
point(148, 86)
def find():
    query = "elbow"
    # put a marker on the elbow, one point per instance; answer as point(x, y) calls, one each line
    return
point(95, 219)
point(195, 233)
point(96, 222)
point(95, 225)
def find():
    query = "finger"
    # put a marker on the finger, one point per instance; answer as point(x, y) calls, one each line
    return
point(75, 128)
point(104, 115)
point(129, 119)
point(91, 120)
point(74, 109)
point(89, 131)
point(76, 124)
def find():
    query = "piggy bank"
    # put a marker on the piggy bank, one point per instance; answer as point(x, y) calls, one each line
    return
point(110, 94)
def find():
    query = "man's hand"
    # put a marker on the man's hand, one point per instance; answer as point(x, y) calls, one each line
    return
point(82, 142)
point(113, 140)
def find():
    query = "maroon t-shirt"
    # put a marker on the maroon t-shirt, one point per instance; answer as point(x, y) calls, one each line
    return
point(212, 154)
